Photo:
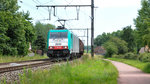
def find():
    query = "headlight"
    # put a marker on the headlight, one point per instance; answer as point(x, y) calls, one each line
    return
point(51, 47)
point(66, 47)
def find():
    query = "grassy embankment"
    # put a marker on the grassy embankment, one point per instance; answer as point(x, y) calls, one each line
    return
point(144, 66)
point(82, 71)
point(4, 59)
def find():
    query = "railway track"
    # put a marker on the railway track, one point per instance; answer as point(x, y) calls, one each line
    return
point(13, 66)
point(11, 72)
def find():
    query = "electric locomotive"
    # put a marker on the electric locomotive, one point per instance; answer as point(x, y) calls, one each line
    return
point(63, 43)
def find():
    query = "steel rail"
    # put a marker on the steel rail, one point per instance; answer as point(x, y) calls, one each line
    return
point(25, 66)
point(24, 61)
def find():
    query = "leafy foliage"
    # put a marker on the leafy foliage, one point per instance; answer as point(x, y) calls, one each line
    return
point(43, 29)
point(142, 23)
point(117, 33)
point(115, 46)
point(15, 31)
point(120, 44)
point(41, 33)
point(144, 57)
point(40, 43)
point(111, 49)
point(101, 39)
point(128, 36)
point(130, 56)
point(147, 68)
point(9, 5)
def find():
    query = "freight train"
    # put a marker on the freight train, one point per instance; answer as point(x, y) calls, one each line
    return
point(62, 43)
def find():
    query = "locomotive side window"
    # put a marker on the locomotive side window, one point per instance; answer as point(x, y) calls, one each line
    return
point(55, 35)
point(71, 35)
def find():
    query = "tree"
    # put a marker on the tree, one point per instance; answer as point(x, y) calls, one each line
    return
point(41, 33)
point(16, 31)
point(121, 45)
point(117, 33)
point(142, 23)
point(111, 48)
point(101, 39)
point(40, 43)
point(128, 36)
point(43, 29)
point(115, 46)
point(9, 5)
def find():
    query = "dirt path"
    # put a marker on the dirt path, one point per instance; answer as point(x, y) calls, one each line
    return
point(131, 75)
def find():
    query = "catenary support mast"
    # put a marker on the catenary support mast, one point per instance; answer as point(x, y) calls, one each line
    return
point(92, 28)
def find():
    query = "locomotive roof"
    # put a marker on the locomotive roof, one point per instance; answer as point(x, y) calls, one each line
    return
point(63, 30)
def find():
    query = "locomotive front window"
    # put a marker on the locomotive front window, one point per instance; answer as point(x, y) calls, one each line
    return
point(54, 35)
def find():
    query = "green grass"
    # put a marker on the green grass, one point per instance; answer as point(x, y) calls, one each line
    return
point(4, 59)
point(84, 71)
point(144, 66)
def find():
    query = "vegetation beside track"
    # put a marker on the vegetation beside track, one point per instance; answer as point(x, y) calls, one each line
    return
point(144, 66)
point(4, 59)
point(83, 71)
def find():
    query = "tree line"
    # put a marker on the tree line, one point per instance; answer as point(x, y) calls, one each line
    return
point(128, 39)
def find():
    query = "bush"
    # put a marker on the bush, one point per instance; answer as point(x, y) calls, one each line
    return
point(118, 56)
point(10, 51)
point(115, 56)
point(130, 55)
point(144, 57)
point(126, 56)
point(111, 49)
point(120, 44)
point(147, 68)
point(115, 46)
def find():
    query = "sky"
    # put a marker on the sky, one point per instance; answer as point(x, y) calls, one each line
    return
point(110, 15)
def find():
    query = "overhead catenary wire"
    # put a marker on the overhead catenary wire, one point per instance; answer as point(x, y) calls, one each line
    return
point(69, 2)
point(37, 2)
point(34, 1)
point(31, 7)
